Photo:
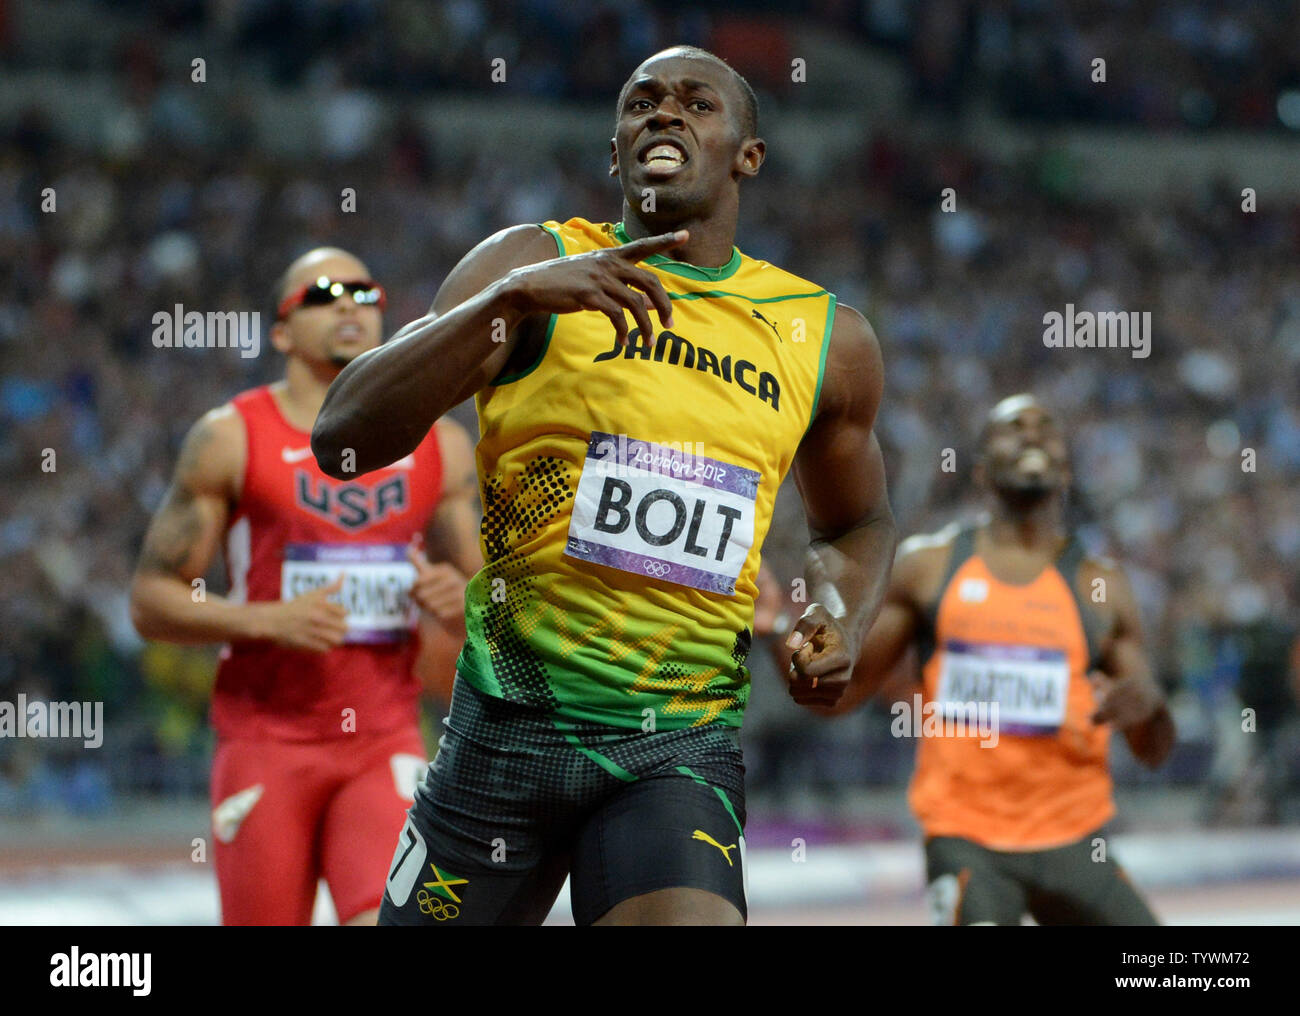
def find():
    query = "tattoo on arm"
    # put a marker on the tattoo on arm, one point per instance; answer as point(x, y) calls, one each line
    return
point(172, 536)
point(178, 525)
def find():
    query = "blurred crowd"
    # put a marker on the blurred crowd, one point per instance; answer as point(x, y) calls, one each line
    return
point(1186, 462)
point(1169, 63)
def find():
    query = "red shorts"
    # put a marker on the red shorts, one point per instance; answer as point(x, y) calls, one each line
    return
point(285, 815)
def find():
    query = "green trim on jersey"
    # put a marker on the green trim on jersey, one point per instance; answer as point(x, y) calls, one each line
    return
point(559, 240)
point(505, 379)
point(826, 347)
point(700, 273)
point(711, 294)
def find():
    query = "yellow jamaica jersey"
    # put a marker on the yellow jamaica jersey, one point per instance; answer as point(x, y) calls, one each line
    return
point(627, 491)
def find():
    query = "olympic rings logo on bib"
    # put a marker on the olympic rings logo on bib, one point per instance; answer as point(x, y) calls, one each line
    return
point(436, 908)
point(649, 509)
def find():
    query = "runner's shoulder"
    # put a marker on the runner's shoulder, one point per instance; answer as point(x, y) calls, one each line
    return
point(217, 432)
point(929, 546)
point(1100, 566)
point(854, 368)
point(1099, 572)
point(212, 454)
point(922, 559)
point(852, 329)
point(492, 259)
point(527, 242)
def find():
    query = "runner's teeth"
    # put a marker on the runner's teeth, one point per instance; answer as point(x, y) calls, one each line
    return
point(664, 153)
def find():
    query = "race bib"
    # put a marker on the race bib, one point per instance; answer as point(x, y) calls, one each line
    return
point(1028, 684)
point(377, 580)
point(663, 513)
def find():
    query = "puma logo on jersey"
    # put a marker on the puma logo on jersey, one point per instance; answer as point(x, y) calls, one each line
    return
point(229, 815)
point(973, 591)
point(700, 834)
point(765, 321)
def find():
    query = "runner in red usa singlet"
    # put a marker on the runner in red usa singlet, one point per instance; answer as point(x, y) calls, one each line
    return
point(295, 531)
point(331, 586)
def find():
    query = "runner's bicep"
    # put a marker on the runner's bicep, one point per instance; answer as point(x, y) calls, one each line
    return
point(840, 473)
point(1125, 653)
point(185, 533)
point(838, 467)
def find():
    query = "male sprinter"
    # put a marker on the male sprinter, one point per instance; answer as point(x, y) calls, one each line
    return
point(315, 706)
point(1013, 612)
point(627, 479)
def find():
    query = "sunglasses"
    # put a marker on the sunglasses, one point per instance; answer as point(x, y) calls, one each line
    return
point(325, 291)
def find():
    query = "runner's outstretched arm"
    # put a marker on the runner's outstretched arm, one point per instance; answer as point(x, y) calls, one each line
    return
point(1126, 690)
point(841, 478)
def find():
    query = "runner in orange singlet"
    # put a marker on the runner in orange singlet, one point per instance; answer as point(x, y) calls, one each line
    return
point(1031, 651)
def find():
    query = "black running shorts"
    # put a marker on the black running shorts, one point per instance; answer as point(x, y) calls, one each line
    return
point(516, 799)
point(1078, 883)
